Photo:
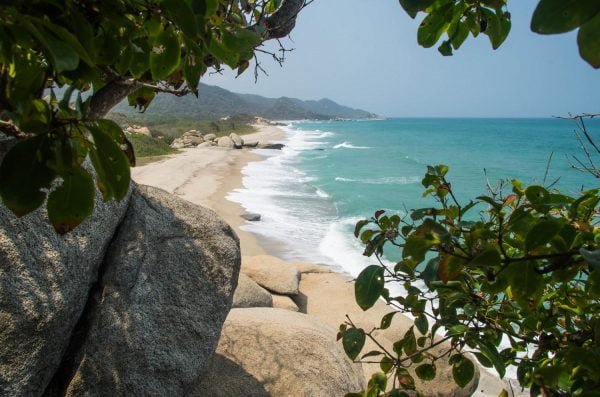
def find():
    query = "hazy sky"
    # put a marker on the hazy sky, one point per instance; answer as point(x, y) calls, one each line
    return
point(364, 54)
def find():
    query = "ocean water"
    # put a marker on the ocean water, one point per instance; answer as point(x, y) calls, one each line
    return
point(333, 173)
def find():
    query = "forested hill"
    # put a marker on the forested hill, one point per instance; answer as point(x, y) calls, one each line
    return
point(215, 102)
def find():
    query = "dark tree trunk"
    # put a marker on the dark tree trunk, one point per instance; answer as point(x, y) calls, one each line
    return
point(108, 97)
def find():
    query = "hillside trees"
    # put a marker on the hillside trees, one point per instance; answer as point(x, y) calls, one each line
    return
point(101, 52)
point(508, 279)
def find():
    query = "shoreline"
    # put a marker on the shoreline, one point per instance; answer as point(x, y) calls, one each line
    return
point(205, 176)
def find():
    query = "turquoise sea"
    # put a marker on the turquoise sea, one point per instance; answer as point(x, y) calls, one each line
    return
point(333, 173)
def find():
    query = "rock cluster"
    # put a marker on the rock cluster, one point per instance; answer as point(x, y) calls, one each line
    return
point(138, 129)
point(189, 139)
point(193, 138)
point(268, 347)
point(320, 296)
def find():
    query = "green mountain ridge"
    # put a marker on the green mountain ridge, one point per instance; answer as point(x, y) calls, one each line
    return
point(215, 102)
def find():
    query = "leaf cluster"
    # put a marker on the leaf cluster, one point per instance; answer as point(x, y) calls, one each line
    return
point(456, 19)
point(515, 284)
point(90, 52)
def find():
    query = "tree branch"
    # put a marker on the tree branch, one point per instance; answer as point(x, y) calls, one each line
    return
point(8, 128)
point(280, 23)
point(108, 97)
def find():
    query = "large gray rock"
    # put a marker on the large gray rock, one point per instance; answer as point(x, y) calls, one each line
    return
point(238, 142)
point(167, 288)
point(210, 137)
point(225, 141)
point(284, 302)
point(45, 280)
point(278, 353)
point(250, 294)
point(272, 273)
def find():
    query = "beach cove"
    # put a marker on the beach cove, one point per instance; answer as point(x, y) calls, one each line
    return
point(206, 176)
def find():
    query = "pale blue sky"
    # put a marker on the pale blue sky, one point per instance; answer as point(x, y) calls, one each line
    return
point(363, 53)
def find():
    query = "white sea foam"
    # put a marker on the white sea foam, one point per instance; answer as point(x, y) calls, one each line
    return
point(392, 180)
point(282, 194)
point(347, 145)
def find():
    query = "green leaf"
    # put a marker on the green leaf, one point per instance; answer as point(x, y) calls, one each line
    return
point(72, 202)
point(141, 98)
point(359, 225)
point(483, 360)
point(538, 197)
point(23, 174)
point(84, 32)
point(445, 48)
point(434, 25)
point(241, 40)
point(416, 247)
point(426, 371)
point(449, 268)
point(422, 324)
point(496, 31)
point(386, 320)
point(372, 353)
point(192, 71)
point(353, 342)
point(369, 285)
point(68, 38)
point(112, 167)
point(491, 352)
point(386, 364)
point(62, 56)
point(412, 7)
point(461, 35)
point(140, 58)
point(165, 55)
point(541, 233)
point(559, 16)
point(183, 16)
point(489, 257)
point(525, 282)
point(410, 342)
point(272, 6)
point(588, 40)
point(430, 274)
point(463, 371)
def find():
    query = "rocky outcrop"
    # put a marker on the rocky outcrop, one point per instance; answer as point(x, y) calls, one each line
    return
point(189, 139)
point(238, 142)
point(167, 288)
point(272, 273)
point(138, 129)
point(210, 137)
point(263, 352)
point(225, 142)
point(45, 280)
point(275, 146)
point(284, 302)
point(251, 216)
point(250, 294)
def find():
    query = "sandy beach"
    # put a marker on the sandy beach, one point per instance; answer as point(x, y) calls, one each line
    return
point(205, 176)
